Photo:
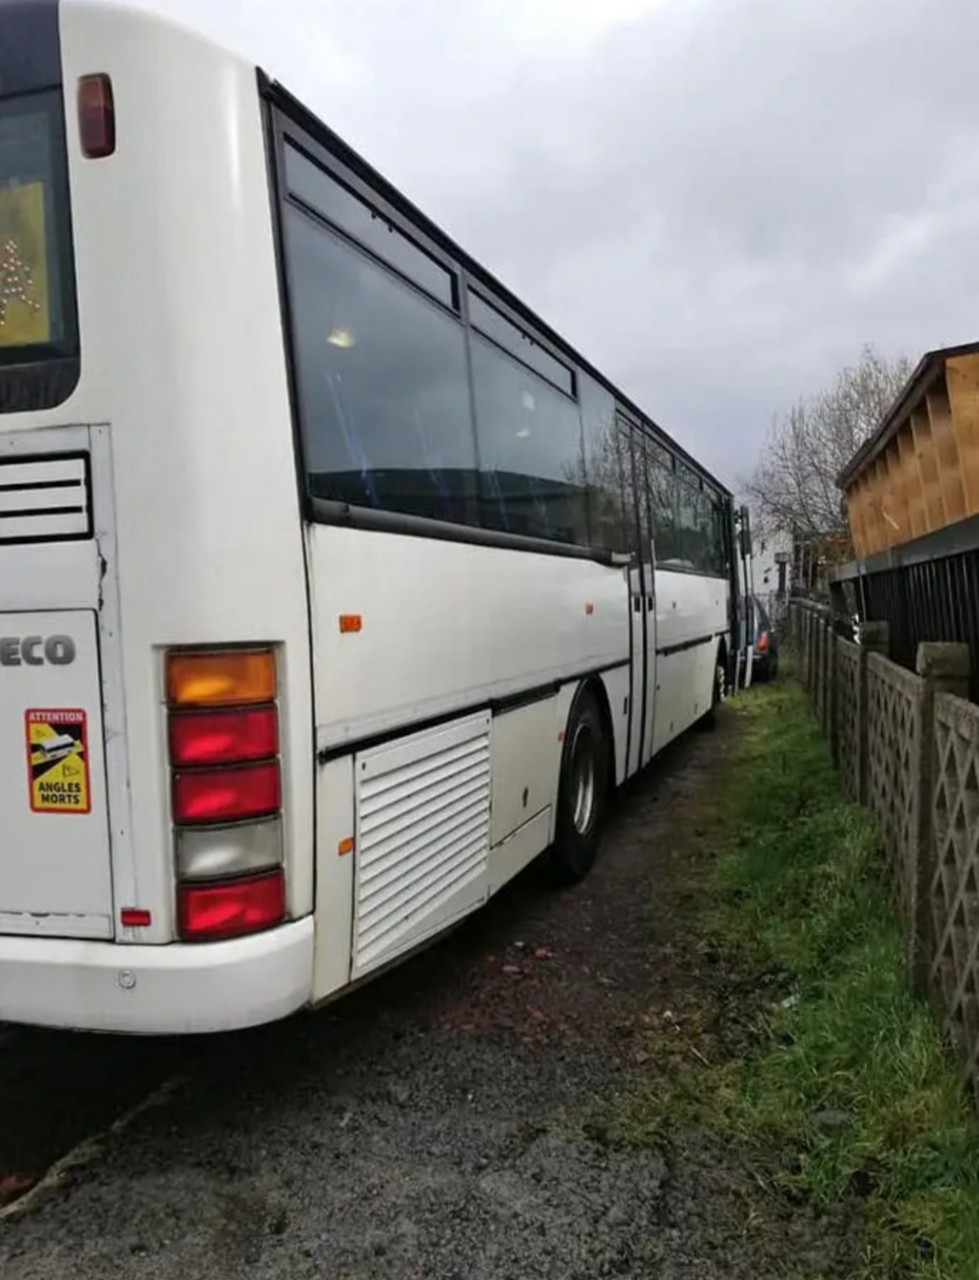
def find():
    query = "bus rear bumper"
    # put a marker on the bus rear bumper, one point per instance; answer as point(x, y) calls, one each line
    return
point(179, 989)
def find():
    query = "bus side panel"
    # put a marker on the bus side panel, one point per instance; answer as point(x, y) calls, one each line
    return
point(691, 618)
point(618, 687)
point(526, 758)
point(447, 626)
point(518, 780)
point(422, 810)
point(335, 824)
point(443, 833)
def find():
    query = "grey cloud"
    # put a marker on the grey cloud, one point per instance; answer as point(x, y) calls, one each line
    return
point(717, 202)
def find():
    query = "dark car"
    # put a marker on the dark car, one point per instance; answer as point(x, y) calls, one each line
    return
point(765, 660)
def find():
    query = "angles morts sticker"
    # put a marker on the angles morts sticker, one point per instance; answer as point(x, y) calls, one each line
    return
point(57, 757)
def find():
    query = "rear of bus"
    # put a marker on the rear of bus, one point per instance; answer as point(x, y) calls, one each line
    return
point(156, 763)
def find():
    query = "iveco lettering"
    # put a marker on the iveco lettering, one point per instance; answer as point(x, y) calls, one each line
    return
point(36, 650)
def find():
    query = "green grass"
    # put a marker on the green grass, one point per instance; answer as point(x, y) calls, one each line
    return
point(795, 886)
point(804, 883)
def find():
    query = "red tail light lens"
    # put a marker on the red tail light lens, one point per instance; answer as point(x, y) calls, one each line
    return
point(227, 795)
point(235, 907)
point(96, 117)
point(223, 737)
point(763, 642)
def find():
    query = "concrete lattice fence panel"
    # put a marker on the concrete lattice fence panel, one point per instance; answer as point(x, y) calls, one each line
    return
point(894, 744)
point(848, 714)
point(955, 887)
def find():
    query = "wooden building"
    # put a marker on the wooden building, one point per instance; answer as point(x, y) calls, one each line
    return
point(912, 494)
point(919, 472)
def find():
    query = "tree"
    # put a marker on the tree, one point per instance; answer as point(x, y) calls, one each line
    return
point(794, 486)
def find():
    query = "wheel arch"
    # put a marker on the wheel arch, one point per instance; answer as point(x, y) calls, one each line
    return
point(596, 687)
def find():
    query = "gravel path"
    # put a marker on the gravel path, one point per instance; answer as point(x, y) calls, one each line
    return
point(415, 1129)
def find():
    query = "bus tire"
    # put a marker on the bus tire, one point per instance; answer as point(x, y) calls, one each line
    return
point(582, 794)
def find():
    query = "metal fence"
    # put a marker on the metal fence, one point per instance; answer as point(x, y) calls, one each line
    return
point(927, 590)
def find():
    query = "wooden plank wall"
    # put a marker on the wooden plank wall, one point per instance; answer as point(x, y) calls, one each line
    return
point(927, 476)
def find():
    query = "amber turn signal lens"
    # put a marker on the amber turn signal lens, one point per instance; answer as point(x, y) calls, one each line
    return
point(232, 678)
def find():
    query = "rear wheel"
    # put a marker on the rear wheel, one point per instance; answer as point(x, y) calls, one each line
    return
point(582, 794)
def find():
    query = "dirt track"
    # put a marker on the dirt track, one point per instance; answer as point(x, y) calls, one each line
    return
point(423, 1128)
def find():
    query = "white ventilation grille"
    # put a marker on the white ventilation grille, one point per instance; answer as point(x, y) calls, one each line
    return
point(44, 500)
point(423, 825)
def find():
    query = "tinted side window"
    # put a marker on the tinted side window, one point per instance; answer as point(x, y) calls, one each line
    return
point(382, 383)
point(701, 520)
point(719, 535)
point(663, 491)
point(692, 510)
point(643, 454)
point(532, 478)
point(632, 469)
point(607, 470)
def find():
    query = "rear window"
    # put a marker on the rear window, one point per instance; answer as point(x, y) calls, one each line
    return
point(37, 300)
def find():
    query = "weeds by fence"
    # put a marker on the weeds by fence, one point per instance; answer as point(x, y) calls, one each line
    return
point(907, 746)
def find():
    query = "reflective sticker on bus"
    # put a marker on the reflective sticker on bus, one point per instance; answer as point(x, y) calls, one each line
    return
point(57, 756)
point(25, 318)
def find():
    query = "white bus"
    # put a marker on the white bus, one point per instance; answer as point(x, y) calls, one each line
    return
point(334, 563)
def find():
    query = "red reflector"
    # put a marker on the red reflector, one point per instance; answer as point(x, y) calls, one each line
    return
point(96, 117)
point(225, 795)
point(135, 918)
point(235, 907)
point(223, 737)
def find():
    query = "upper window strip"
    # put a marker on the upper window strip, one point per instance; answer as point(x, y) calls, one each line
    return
point(494, 324)
point(334, 202)
point(659, 453)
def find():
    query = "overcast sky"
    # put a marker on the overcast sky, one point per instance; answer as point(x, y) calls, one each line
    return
point(716, 201)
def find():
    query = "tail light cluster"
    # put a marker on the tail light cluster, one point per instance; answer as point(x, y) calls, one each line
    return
point(226, 792)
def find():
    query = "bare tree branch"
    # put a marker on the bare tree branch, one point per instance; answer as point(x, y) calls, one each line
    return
point(794, 485)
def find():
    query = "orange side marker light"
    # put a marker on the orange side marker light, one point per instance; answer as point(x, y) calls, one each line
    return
point(350, 622)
